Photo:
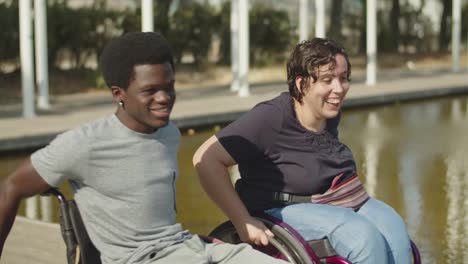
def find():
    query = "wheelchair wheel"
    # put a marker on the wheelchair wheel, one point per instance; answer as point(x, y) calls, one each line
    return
point(284, 245)
point(416, 255)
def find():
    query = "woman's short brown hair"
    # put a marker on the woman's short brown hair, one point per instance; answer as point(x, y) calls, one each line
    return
point(305, 60)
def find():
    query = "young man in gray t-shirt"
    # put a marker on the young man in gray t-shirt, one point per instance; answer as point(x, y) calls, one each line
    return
point(123, 167)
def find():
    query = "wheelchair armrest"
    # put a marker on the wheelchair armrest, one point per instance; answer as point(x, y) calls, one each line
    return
point(53, 191)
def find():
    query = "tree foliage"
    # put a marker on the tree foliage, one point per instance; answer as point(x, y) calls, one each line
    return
point(9, 35)
point(79, 34)
point(191, 31)
point(270, 34)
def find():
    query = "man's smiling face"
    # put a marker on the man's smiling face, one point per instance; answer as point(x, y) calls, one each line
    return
point(149, 98)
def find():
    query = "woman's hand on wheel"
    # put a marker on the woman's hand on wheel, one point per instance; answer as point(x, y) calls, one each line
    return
point(253, 231)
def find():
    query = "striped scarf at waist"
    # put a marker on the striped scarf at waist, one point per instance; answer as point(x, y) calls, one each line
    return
point(349, 193)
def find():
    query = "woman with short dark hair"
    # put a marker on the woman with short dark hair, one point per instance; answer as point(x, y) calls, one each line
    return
point(294, 167)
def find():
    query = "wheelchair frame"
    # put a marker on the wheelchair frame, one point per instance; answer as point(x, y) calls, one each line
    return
point(80, 249)
point(290, 245)
point(287, 244)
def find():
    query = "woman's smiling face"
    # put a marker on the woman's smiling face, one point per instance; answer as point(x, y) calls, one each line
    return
point(324, 97)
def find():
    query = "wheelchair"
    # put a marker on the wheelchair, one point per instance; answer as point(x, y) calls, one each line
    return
point(80, 249)
point(289, 245)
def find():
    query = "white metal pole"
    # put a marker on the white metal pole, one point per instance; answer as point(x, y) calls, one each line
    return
point(42, 76)
point(456, 32)
point(147, 23)
point(371, 41)
point(303, 20)
point(46, 208)
point(372, 152)
point(32, 211)
point(235, 45)
point(320, 18)
point(26, 54)
point(244, 48)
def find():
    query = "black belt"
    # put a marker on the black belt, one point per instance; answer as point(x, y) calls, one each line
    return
point(290, 198)
point(293, 198)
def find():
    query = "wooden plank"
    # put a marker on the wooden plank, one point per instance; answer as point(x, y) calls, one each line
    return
point(33, 241)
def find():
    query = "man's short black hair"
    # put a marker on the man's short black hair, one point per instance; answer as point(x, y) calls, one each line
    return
point(135, 48)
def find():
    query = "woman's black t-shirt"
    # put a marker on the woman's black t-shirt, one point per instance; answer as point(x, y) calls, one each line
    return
point(276, 153)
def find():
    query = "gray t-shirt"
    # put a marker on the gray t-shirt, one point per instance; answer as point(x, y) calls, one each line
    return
point(124, 184)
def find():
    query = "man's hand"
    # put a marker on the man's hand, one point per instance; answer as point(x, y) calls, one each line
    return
point(253, 231)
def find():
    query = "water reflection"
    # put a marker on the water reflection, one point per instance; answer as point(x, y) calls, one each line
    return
point(456, 183)
point(372, 148)
point(412, 156)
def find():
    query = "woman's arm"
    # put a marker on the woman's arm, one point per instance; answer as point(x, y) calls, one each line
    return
point(211, 161)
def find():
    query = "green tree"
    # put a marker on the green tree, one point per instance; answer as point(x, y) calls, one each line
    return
point(224, 32)
point(444, 32)
point(465, 24)
point(362, 38)
point(394, 26)
point(9, 35)
point(335, 28)
point(191, 30)
point(270, 34)
point(57, 30)
point(417, 31)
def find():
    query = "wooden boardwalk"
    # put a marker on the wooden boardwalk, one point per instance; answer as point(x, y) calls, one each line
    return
point(212, 106)
point(34, 242)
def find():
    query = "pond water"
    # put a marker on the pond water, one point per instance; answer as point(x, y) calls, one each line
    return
point(411, 155)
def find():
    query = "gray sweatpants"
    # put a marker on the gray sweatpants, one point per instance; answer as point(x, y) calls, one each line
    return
point(196, 251)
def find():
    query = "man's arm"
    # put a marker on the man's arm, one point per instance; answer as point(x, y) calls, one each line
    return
point(24, 182)
point(211, 161)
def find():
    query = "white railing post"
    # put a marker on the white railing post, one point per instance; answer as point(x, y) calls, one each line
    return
point(235, 45)
point(320, 18)
point(32, 211)
point(26, 56)
point(42, 73)
point(371, 41)
point(46, 208)
point(147, 20)
point(243, 48)
point(303, 20)
point(456, 32)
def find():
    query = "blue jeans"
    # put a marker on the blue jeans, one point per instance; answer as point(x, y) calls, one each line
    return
point(374, 234)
